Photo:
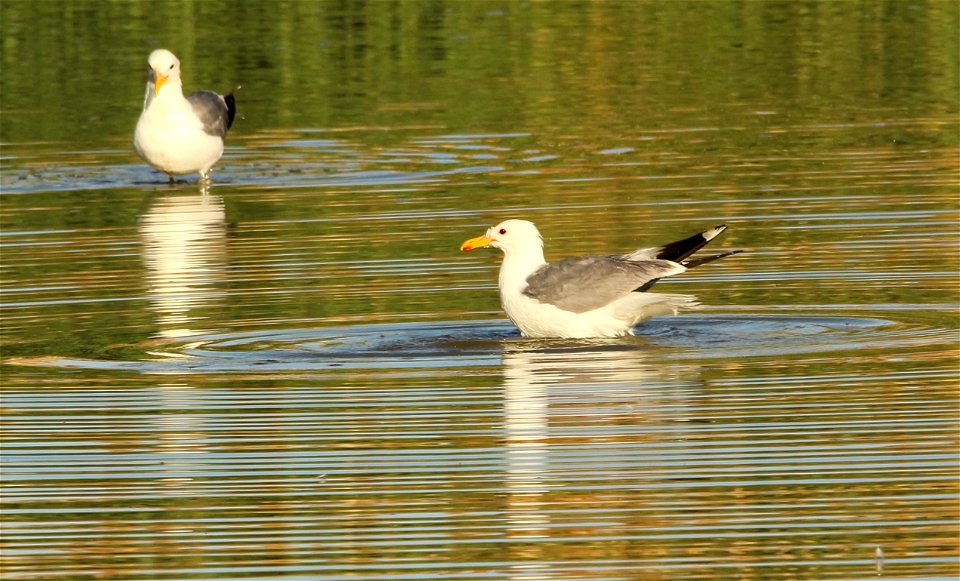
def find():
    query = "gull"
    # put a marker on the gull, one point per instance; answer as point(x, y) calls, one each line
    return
point(176, 134)
point(586, 296)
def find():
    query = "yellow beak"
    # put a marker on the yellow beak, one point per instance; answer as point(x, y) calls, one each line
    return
point(158, 82)
point(478, 242)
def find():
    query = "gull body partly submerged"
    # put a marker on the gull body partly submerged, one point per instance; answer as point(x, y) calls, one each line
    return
point(586, 296)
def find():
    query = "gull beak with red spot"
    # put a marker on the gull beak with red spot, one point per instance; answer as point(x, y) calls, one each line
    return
point(478, 242)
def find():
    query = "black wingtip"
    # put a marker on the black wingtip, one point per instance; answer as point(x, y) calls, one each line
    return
point(231, 102)
point(699, 261)
point(681, 249)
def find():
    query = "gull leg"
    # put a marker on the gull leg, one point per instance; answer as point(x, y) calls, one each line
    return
point(204, 182)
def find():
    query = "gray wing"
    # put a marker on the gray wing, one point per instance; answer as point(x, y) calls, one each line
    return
point(584, 283)
point(213, 112)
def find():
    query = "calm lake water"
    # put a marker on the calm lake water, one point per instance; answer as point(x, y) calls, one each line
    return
point(297, 375)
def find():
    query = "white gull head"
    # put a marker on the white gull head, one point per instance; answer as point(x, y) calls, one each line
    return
point(513, 237)
point(163, 70)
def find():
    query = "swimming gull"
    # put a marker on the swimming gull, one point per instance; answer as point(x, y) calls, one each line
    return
point(176, 134)
point(586, 296)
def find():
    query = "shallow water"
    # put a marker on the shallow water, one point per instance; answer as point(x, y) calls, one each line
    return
point(297, 375)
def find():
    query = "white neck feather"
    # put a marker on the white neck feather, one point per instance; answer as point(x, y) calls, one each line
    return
point(518, 264)
point(171, 93)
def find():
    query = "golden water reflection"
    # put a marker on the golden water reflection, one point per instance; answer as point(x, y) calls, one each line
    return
point(553, 396)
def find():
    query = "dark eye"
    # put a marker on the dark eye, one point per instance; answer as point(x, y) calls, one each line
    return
point(171, 67)
point(503, 231)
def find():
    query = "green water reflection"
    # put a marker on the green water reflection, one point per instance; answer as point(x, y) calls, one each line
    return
point(73, 71)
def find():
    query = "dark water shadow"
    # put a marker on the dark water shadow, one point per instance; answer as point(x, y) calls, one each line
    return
point(448, 344)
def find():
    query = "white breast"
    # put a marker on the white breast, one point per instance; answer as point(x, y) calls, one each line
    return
point(170, 137)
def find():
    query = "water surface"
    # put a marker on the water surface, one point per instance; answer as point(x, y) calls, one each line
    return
point(297, 375)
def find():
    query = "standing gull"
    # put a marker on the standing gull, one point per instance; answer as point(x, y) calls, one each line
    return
point(176, 134)
point(586, 296)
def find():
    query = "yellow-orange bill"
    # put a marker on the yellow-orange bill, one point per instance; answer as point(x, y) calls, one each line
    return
point(478, 242)
point(160, 80)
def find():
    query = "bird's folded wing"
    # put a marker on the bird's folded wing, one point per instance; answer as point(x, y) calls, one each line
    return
point(585, 283)
point(212, 111)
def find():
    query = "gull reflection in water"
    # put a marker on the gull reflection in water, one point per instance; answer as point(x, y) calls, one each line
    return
point(601, 382)
point(184, 241)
